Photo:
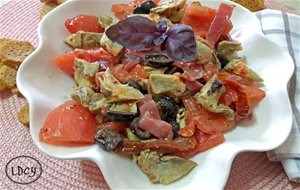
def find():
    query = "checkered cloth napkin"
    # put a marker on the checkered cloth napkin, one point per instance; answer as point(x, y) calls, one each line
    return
point(284, 29)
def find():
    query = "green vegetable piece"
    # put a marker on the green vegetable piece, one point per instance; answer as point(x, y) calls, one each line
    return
point(204, 52)
point(89, 99)
point(84, 72)
point(229, 48)
point(105, 21)
point(131, 136)
point(110, 46)
point(165, 84)
point(84, 40)
point(239, 67)
point(209, 95)
point(152, 70)
point(164, 169)
point(114, 91)
point(171, 9)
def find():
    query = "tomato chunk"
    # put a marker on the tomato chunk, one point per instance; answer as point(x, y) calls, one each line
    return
point(86, 23)
point(66, 61)
point(69, 123)
point(199, 18)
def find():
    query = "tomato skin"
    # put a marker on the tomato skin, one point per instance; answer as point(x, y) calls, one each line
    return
point(199, 18)
point(69, 123)
point(86, 23)
point(65, 61)
point(206, 122)
point(136, 73)
point(204, 142)
point(115, 126)
point(121, 11)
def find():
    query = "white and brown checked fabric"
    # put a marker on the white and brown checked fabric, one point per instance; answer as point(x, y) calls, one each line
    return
point(284, 29)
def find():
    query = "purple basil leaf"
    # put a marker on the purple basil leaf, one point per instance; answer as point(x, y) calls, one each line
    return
point(136, 33)
point(160, 38)
point(181, 44)
point(162, 26)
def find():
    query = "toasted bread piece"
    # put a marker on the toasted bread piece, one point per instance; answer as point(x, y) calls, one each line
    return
point(23, 115)
point(13, 52)
point(252, 5)
point(4, 41)
point(8, 77)
point(47, 8)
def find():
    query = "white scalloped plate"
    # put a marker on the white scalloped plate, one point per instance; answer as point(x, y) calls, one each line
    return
point(45, 87)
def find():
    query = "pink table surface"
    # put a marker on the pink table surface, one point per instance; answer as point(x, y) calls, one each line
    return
point(18, 20)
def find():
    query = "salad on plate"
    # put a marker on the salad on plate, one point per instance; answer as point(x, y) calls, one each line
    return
point(161, 83)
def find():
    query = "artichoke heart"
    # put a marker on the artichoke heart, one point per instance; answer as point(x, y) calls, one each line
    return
point(84, 72)
point(89, 99)
point(110, 46)
point(209, 95)
point(164, 169)
point(239, 67)
point(204, 52)
point(105, 21)
point(171, 9)
point(228, 48)
point(114, 91)
point(166, 84)
point(84, 40)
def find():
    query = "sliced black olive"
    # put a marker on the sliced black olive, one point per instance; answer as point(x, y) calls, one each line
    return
point(158, 60)
point(175, 126)
point(144, 8)
point(167, 107)
point(122, 112)
point(223, 60)
point(134, 126)
point(215, 86)
point(172, 70)
point(137, 86)
point(120, 116)
point(108, 139)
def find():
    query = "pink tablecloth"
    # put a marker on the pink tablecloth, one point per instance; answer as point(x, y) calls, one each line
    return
point(18, 20)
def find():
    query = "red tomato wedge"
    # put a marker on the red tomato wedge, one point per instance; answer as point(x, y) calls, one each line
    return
point(86, 23)
point(136, 73)
point(121, 11)
point(219, 24)
point(66, 61)
point(199, 18)
point(204, 142)
point(69, 123)
point(206, 121)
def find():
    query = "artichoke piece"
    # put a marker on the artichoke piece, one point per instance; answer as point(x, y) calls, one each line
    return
point(239, 67)
point(164, 169)
point(84, 40)
point(171, 9)
point(131, 136)
point(209, 95)
point(110, 46)
point(204, 52)
point(228, 48)
point(105, 21)
point(84, 72)
point(89, 99)
point(152, 70)
point(165, 84)
point(114, 91)
point(123, 111)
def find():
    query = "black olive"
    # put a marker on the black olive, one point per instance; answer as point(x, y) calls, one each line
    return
point(172, 70)
point(223, 60)
point(134, 126)
point(215, 86)
point(167, 107)
point(109, 139)
point(144, 8)
point(120, 116)
point(137, 86)
point(175, 126)
point(158, 60)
